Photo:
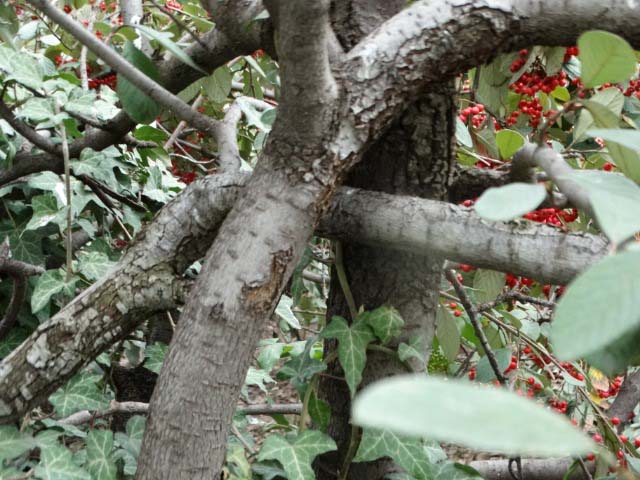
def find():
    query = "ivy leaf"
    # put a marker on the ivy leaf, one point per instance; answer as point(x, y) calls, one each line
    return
point(99, 462)
point(45, 210)
point(447, 333)
point(258, 378)
point(296, 456)
point(615, 201)
point(56, 463)
point(283, 310)
point(319, 411)
point(98, 165)
point(494, 421)
point(301, 368)
point(385, 321)
point(352, 348)
point(21, 67)
point(45, 181)
point(13, 443)
point(165, 39)
point(95, 265)
point(601, 306)
point(605, 58)
point(488, 284)
point(130, 443)
point(218, 84)
point(80, 393)
point(409, 453)
point(154, 355)
point(50, 283)
point(509, 142)
point(137, 104)
point(502, 204)
point(414, 349)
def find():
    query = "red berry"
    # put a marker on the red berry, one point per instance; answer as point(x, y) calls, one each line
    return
point(597, 438)
point(636, 442)
point(457, 313)
point(591, 457)
point(615, 421)
point(453, 305)
point(623, 438)
point(67, 8)
point(620, 454)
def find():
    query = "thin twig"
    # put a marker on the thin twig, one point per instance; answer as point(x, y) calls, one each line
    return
point(344, 283)
point(514, 295)
point(473, 313)
point(67, 186)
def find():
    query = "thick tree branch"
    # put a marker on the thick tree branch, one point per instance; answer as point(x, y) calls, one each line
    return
point(184, 229)
point(532, 469)
point(27, 132)
point(627, 399)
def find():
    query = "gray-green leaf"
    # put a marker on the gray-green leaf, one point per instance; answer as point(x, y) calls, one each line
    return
point(502, 204)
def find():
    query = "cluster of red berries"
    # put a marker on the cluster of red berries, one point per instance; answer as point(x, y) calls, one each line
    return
point(476, 114)
point(546, 289)
point(570, 52)
point(573, 371)
point(559, 406)
point(533, 109)
point(172, 5)
point(553, 216)
point(61, 61)
point(613, 388)
point(513, 281)
point(539, 361)
point(103, 6)
point(258, 53)
point(184, 176)
point(456, 311)
point(633, 89)
point(110, 81)
point(536, 80)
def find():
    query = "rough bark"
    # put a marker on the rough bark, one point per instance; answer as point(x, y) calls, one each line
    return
point(377, 219)
point(248, 265)
point(414, 156)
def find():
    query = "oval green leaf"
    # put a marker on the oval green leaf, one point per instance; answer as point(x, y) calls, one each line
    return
point(138, 106)
point(502, 204)
point(509, 142)
point(605, 57)
point(482, 418)
point(624, 136)
point(599, 307)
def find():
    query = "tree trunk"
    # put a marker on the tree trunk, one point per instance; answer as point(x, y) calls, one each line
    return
point(414, 158)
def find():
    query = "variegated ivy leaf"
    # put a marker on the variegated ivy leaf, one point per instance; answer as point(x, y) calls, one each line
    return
point(296, 455)
point(409, 453)
point(80, 393)
point(95, 265)
point(13, 443)
point(49, 284)
point(99, 462)
point(56, 463)
point(130, 443)
point(258, 378)
point(352, 347)
point(154, 355)
point(98, 165)
point(414, 349)
point(45, 210)
point(385, 321)
point(21, 67)
point(283, 310)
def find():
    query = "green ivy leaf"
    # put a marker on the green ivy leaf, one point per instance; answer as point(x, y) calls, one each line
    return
point(601, 306)
point(407, 452)
point(150, 134)
point(130, 443)
point(45, 210)
point(319, 411)
point(95, 265)
point(615, 201)
point(502, 204)
point(352, 348)
point(56, 463)
point(45, 181)
point(509, 142)
point(165, 39)
point(414, 349)
point(481, 418)
point(488, 284)
point(50, 283)
point(385, 321)
point(296, 456)
point(218, 85)
point(80, 393)
point(98, 165)
point(605, 58)
point(283, 310)
point(154, 355)
point(13, 443)
point(138, 105)
point(99, 462)
point(21, 67)
point(447, 333)
point(258, 378)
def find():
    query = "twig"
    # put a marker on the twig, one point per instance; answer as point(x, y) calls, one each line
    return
point(67, 186)
point(344, 283)
point(180, 23)
point(473, 313)
point(239, 436)
point(176, 133)
point(94, 185)
point(514, 295)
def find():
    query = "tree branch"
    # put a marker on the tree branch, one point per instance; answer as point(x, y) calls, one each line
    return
point(27, 132)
